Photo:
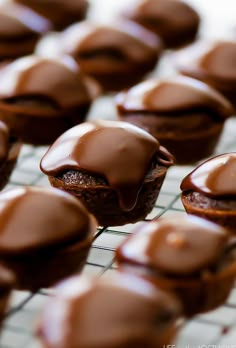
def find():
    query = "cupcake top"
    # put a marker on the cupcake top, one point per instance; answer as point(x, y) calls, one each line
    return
point(214, 178)
point(4, 142)
point(17, 21)
point(180, 246)
point(60, 12)
point(168, 18)
point(119, 152)
point(56, 80)
point(214, 62)
point(110, 46)
point(120, 311)
point(34, 218)
point(175, 95)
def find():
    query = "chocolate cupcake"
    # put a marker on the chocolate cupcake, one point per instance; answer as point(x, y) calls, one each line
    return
point(9, 151)
point(7, 282)
point(41, 98)
point(189, 256)
point(209, 191)
point(45, 235)
point(213, 63)
point(178, 112)
point(118, 312)
point(20, 29)
point(114, 168)
point(117, 55)
point(61, 13)
point(174, 21)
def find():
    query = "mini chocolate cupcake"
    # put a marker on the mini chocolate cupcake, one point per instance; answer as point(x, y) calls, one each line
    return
point(41, 98)
point(7, 282)
point(174, 21)
point(61, 13)
point(213, 63)
point(178, 112)
point(117, 55)
point(114, 168)
point(189, 256)
point(45, 235)
point(9, 151)
point(20, 29)
point(209, 191)
point(118, 312)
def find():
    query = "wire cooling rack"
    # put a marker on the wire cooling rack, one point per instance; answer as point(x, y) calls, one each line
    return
point(215, 328)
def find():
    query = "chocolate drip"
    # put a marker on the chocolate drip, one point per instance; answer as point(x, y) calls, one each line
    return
point(27, 76)
point(180, 246)
point(177, 95)
point(214, 178)
point(34, 218)
point(117, 151)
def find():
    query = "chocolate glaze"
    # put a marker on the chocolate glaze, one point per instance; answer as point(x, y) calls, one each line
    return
point(120, 152)
point(111, 46)
point(213, 62)
point(34, 218)
point(60, 12)
point(221, 60)
point(175, 21)
point(214, 178)
point(4, 142)
point(122, 311)
point(176, 95)
point(17, 21)
point(26, 77)
point(180, 246)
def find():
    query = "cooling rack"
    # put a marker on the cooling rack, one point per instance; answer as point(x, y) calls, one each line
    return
point(217, 329)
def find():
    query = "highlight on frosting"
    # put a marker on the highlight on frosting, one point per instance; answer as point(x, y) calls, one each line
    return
point(29, 215)
point(186, 94)
point(57, 79)
point(216, 177)
point(176, 245)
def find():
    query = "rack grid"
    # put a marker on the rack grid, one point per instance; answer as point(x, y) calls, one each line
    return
point(215, 328)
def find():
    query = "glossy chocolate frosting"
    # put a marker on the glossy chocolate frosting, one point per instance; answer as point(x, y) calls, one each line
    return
point(119, 152)
point(4, 142)
point(214, 62)
point(118, 312)
point(17, 21)
point(60, 12)
point(177, 246)
point(176, 95)
point(214, 178)
point(37, 218)
point(175, 21)
point(111, 45)
point(58, 80)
